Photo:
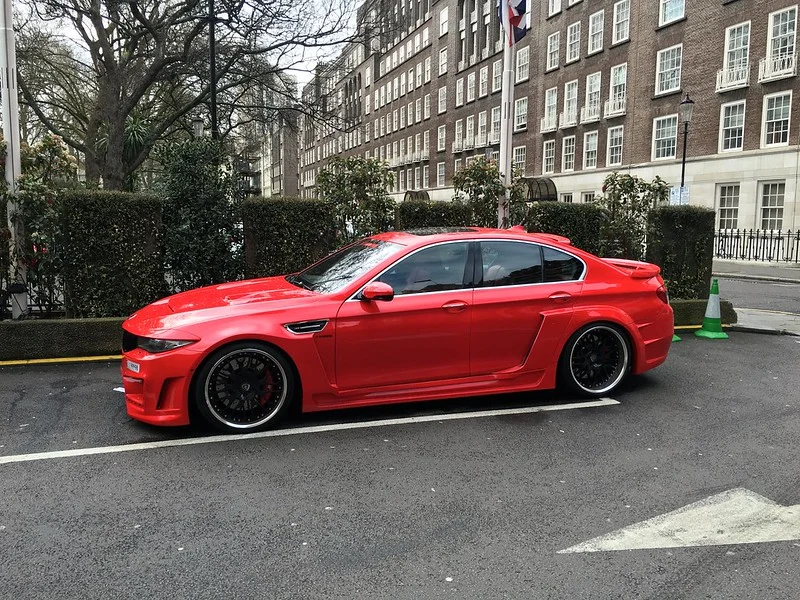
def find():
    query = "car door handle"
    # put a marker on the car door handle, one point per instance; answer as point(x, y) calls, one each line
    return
point(560, 297)
point(454, 306)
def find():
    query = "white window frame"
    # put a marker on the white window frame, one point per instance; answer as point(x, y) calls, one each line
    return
point(440, 180)
point(621, 146)
point(460, 92)
point(662, 11)
point(731, 215)
point(442, 104)
point(553, 50)
point(573, 49)
point(772, 50)
point(483, 82)
point(767, 98)
point(443, 61)
point(677, 85)
point(722, 127)
point(522, 71)
point(441, 138)
point(586, 137)
point(548, 157)
point(595, 37)
point(672, 117)
point(515, 152)
point(564, 154)
point(497, 76)
point(443, 25)
point(471, 87)
point(621, 26)
point(553, 7)
point(521, 114)
point(741, 62)
point(776, 207)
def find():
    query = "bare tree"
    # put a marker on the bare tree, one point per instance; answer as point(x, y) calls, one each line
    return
point(133, 72)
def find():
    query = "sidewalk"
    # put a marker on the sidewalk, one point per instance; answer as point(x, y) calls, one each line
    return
point(754, 320)
point(758, 271)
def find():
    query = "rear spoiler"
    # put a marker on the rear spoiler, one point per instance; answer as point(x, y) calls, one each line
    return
point(634, 268)
point(550, 237)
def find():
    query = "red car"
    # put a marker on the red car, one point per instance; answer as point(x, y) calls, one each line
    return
point(398, 317)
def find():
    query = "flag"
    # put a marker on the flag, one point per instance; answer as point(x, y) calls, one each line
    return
point(516, 16)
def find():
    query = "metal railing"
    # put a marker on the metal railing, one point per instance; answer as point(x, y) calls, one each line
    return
point(759, 245)
point(777, 67)
point(733, 78)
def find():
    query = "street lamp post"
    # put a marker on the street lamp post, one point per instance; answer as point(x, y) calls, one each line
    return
point(686, 109)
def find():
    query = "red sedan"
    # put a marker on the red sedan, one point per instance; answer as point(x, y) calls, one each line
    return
point(398, 317)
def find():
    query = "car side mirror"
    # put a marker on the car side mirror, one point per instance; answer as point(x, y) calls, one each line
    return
point(377, 291)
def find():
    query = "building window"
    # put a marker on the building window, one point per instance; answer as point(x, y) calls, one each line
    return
point(470, 87)
point(442, 99)
point(622, 21)
point(573, 42)
point(395, 120)
point(571, 101)
point(782, 34)
point(411, 80)
point(417, 177)
point(483, 81)
point(418, 110)
point(470, 130)
point(457, 165)
point(442, 61)
point(497, 75)
point(496, 123)
point(519, 159)
point(428, 70)
point(593, 84)
point(553, 43)
point(614, 153)
point(460, 92)
point(568, 154)
point(619, 83)
point(482, 126)
point(671, 10)
point(737, 49)
point(590, 150)
point(410, 110)
point(566, 198)
point(553, 7)
point(523, 58)
point(772, 205)
point(441, 138)
point(427, 106)
point(596, 32)
point(776, 119)
point(732, 126)
point(665, 131)
point(729, 206)
point(426, 37)
point(551, 107)
point(440, 174)
point(587, 197)
point(668, 70)
point(402, 84)
point(426, 177)
point(443, 21)
point(520, 114)
point(549, 157)
point(418, 74)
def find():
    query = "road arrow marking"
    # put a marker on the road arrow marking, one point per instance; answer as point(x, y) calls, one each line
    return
point(737, 516)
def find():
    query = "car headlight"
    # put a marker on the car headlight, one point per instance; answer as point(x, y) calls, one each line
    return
point(154, 345)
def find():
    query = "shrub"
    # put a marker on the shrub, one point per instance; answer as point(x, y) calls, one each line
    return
point(413, 214)
point(680, 239)
point(479, 185)
point(113, 260)
point(358, 190)
point(581, 223)
point(5, 236)
point(202, 215)
point(283, 235)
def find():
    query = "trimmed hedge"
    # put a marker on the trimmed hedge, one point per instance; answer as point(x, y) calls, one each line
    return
point(414, 214)
point(60, 338)
point(284, 235)
point(113, 254)
point(691, 312)
point(581, 223)
point(680, 239)
point(5, 236)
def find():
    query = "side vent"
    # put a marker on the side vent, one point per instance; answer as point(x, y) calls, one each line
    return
point(307, 326)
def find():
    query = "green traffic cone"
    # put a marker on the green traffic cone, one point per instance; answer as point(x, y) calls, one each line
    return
point(712, 323)
point(675, 338)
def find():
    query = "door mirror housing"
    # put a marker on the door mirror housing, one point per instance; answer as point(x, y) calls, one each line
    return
point(377, 291)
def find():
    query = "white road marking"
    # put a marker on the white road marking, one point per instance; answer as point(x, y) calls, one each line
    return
point(300, 431)
point(119, 389)
point(737, 516)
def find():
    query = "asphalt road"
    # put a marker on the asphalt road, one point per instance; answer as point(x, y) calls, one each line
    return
point(763, 295)
point(474, 508)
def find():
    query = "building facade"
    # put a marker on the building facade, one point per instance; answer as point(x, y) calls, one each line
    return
point(598, 85)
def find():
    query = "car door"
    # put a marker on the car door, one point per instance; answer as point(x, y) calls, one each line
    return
point(523, 290)
point(422, 334)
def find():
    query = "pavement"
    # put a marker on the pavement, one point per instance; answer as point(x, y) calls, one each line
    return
point(755, 314)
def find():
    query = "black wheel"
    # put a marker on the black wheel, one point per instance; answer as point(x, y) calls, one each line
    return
point(244, 387)
point(596, 359)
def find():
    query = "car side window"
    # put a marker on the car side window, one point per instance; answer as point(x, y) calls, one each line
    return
point(434, 269)
point(511, 263)
point(560, 266)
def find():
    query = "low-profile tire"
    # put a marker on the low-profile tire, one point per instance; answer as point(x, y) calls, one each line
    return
point(244, 387)
point(596, 359)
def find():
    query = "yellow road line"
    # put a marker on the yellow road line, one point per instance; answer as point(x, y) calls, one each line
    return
point(688, 327)
point(52, 361)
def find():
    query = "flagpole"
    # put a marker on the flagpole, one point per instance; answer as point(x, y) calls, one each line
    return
point(506, 118)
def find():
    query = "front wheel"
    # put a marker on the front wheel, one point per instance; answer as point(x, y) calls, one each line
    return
point(244, 387)
point(596, 359)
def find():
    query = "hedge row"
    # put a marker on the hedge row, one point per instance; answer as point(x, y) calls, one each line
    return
point(4, 250)
point(414, 214)
point(283, 235)
point(113, 253)
point(581, 223)
point(680, 239)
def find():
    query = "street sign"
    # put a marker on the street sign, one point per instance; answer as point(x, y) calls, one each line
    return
point(678, 196)
point(737, 516)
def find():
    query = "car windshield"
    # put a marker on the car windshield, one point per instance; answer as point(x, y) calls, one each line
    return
point(343, 267)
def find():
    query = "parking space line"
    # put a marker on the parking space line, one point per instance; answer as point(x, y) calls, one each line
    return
point(300, 431)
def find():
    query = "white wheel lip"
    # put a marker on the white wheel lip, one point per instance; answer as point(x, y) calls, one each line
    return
point(626, 359)
point(271, 415)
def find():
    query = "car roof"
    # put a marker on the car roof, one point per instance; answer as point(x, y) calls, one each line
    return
point(423, 237)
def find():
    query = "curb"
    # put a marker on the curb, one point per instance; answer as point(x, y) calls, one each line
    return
point(764, 330)
point(748, 277)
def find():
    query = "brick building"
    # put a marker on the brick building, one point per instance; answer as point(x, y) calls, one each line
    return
point(597, 89)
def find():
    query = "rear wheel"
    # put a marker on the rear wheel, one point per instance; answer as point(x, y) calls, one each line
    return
point(243, 387)
point(596, 359)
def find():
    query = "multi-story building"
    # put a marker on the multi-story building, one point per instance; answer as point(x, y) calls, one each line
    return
point(598, 85)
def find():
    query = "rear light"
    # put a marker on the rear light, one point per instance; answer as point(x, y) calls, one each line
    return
point(662, 294)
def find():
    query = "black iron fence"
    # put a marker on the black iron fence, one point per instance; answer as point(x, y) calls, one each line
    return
point(756, 244)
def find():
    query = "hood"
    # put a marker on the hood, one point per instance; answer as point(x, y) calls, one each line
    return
point(237, 293)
